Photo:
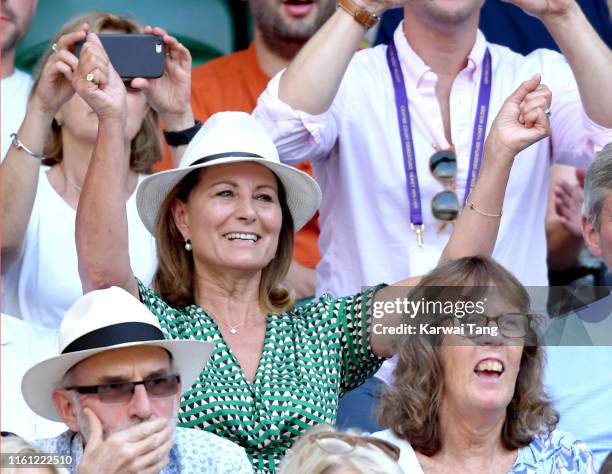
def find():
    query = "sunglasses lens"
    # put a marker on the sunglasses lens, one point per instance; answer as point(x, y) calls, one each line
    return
point(334, 446)
point(159, 387)
point(115, 392)
point(162, 386)
point(445, 206)
point(443, 164)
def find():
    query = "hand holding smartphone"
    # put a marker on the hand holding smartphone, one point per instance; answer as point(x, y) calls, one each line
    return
point(133, 55)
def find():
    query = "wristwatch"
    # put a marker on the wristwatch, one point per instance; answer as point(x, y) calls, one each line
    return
point(182, 137)
point(361, 15)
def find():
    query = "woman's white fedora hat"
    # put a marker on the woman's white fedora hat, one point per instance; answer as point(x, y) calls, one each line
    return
point(100, 321)
point(231, 137)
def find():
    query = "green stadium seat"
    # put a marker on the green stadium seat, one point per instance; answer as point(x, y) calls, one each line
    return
point(204, 26)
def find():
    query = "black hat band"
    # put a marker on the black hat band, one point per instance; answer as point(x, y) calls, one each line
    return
point(217, 156)
point(115, 334)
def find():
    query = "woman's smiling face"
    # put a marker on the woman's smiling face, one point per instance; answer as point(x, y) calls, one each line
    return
point(233, 217)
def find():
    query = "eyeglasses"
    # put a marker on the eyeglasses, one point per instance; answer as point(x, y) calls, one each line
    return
point(445, 204)
point(511, 325)
point(121, 392)
point(343, 443)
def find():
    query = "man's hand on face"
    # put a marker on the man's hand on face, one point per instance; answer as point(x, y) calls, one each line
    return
point(142, 448)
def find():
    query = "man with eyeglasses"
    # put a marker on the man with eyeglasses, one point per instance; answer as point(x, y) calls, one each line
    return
point(116, 384)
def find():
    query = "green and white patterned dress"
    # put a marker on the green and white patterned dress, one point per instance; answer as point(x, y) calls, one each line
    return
point(311, 356)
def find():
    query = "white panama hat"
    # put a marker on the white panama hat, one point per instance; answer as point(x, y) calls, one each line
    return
point(100, 321)
point(231, 137)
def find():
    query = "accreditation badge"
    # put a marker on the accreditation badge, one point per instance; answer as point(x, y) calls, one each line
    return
point(424, 258)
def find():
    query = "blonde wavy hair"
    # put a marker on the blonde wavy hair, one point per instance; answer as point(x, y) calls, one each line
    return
point(146, 146)
point(410, 406)
point(174, 278)
point(307, 456)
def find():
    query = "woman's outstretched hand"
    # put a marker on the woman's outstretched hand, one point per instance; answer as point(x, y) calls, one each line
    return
point(523, 118)
point(97, 82)
point(54, 87)
point(170, 94)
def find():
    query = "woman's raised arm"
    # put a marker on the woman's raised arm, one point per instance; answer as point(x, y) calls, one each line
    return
point(20, 170)
point(520, 122)
point(102, 229)
point(101, 223)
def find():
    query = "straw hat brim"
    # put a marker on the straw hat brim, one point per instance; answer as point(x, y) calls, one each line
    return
point(302, 191)
point(188, 357)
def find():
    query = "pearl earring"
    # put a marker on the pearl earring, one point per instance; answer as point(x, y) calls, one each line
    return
point(188, 245)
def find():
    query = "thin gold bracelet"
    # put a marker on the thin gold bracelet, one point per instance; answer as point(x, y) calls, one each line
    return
point(486, 214)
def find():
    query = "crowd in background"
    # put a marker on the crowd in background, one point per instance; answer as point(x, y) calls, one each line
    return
point(190, 262)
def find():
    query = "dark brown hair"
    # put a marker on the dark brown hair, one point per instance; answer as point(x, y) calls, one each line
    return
point(410, 406)
point(174, 278)
point(146, 146)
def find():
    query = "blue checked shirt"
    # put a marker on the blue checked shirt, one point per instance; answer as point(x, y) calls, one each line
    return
point(194, 451)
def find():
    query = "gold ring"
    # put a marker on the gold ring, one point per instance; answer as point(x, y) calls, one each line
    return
point(90, 77)
point(54, 47)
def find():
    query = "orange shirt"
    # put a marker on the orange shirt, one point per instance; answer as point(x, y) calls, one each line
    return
point(234, 82)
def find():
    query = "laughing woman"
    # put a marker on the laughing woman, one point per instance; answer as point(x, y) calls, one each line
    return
point(224, 223)
point(474, 401)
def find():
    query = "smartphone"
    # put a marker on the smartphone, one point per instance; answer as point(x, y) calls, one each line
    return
point(132, 55)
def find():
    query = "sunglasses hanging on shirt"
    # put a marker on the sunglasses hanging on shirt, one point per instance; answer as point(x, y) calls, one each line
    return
point(445, 204)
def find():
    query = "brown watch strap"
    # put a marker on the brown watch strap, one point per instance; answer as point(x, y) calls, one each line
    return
point(361, 15)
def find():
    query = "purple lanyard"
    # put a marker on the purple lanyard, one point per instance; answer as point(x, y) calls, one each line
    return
point(403, 119)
